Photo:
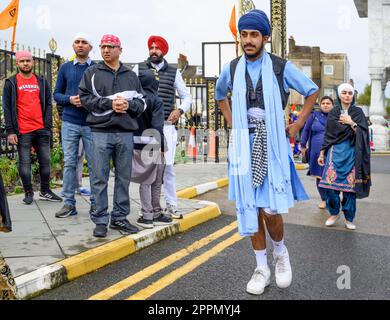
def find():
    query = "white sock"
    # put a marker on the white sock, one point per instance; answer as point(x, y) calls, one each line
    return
point(278, 247)
point(261, 258)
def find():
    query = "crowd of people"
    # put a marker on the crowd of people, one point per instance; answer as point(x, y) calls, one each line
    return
point(113, 115)
point(128, 117)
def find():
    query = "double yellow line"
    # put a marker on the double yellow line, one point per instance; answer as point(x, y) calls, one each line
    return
point(166, 262)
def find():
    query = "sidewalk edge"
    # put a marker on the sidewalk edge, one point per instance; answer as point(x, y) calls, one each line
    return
point(42, 280)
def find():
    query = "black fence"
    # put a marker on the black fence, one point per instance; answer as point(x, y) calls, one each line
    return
point(46, 66)
point(203, 133)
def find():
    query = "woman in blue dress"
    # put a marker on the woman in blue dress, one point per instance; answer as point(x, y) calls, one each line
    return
point(347, 164)
point(312, 140)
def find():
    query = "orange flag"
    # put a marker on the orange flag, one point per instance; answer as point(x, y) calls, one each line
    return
point(233, 27)
point(233, 23)
point(9, 17)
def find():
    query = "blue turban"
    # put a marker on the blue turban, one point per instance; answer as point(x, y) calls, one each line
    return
point(255, 20)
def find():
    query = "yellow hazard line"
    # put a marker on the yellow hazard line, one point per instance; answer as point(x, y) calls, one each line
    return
point(184, 270)
point(160, 265)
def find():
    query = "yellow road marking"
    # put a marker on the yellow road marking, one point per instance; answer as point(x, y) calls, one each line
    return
point(223, 182)
point(182, 271)
point(162, 264)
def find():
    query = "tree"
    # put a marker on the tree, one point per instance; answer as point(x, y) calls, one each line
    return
point(365, 98)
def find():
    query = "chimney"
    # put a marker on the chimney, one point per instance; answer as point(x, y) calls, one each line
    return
point(291, 44)
point(316, 65)
point(182, 62)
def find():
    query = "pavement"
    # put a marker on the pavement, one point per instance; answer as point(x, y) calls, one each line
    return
point(44, 252)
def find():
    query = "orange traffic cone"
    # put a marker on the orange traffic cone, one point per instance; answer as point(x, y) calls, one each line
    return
point(212, 153)
point(192, 150)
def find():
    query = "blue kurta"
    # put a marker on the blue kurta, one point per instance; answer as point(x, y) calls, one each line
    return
point(313, 138)
point(293, 79)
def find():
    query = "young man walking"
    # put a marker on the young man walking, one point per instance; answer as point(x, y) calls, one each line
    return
point(28, 117)
point(113, 96)
point(74, 121)
point(263, 179)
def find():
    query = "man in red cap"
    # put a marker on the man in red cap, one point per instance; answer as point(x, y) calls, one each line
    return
point(27, 105)
point(170, 81)
point(113, 96)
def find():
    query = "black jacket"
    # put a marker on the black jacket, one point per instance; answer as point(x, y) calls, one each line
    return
point(107, 82)
point(5, 221)
point(10, 109)
point(153, 117)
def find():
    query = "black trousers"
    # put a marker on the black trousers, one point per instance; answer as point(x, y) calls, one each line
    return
point(40, 141)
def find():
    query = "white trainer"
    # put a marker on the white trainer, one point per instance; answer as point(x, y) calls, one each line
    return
point(260, 280)
point(350, 225)
point(283, 271)
point(332, 221)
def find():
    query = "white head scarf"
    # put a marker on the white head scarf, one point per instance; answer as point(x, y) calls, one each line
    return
point(83, 36)
point(345, 87)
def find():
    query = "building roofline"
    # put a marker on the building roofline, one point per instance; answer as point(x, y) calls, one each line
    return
point(362, 8)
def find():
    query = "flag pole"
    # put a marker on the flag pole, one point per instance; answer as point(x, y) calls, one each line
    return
point(240, 52)
point(13, 38)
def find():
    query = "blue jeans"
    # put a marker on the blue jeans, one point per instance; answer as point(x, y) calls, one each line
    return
point(71, 135)
point(119, 148)
point(348, 204)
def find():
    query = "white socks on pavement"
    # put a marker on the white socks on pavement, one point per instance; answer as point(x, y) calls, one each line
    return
point(261, 255)
point(261, 258)
point(278, 247)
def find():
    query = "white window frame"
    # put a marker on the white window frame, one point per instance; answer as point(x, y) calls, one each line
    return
point(327, 92)
point(326, 70)
point(307, 67)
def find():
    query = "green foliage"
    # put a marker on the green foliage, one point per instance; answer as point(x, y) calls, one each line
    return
point(365, 98)
point(9, 172)
point(19, 190)
point(57, 163)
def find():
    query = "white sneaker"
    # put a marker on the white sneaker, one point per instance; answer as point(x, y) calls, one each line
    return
point(350, 225)
point(171, 211)
point(283, 272)
point(332, 221)
point(260, 280)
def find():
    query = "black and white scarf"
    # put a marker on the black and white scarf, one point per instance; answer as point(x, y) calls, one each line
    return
point(259, 152)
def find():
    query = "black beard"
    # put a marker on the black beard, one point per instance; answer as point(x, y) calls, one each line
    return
point(26, 72)
point(156, 60)
point(257, 54)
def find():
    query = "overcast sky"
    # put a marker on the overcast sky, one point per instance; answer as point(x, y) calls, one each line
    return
point(334, 25)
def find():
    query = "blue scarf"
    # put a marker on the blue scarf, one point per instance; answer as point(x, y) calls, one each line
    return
point(282, 174)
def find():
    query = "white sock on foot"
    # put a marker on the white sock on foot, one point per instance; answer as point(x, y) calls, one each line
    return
point(261, 258)
point(278, 247)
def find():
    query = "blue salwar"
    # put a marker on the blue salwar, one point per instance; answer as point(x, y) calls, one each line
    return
point(339, 176)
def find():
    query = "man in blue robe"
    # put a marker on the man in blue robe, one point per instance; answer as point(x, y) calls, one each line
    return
point(262, 175)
